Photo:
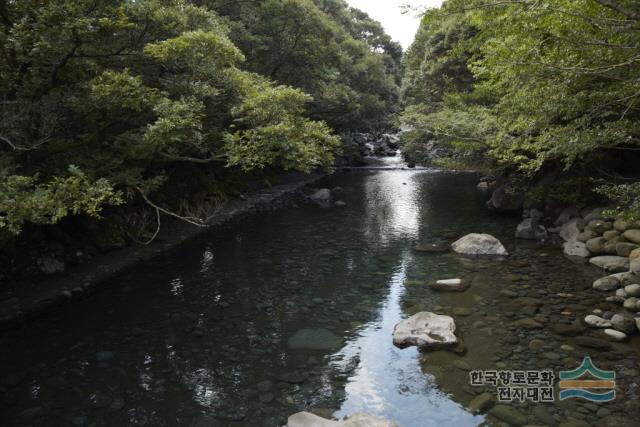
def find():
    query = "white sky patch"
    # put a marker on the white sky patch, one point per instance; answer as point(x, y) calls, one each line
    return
point(401, 27)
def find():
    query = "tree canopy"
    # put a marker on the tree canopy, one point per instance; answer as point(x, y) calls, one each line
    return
point(106, 103)
point(535, 85)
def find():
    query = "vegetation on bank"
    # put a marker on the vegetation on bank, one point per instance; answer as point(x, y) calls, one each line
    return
point(115, 113)
point(544, 91)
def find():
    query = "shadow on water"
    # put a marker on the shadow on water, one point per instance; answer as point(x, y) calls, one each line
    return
point(293, 310)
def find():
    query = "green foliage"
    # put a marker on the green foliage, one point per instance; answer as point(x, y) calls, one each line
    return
point(338, 55)
point(139, 95)
point(276, 134)
point(538, 85)
point(626, 198)
point(22, 199)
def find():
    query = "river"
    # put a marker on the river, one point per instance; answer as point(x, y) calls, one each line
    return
point(293, 310)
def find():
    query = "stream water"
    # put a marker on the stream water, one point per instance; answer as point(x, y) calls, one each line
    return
point(294, 309)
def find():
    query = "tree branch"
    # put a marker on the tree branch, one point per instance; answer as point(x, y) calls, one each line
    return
point(193, 221)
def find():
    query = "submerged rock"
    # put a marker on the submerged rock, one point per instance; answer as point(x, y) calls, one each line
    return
point(450, 285)
point(425, 330)
point(508, 414)
point(480, 403)
point(314, 339)
point(50, 266)
point(431, 247)
point(479, 244)
point(307, 419)
point(324, 194)
point(614, 264)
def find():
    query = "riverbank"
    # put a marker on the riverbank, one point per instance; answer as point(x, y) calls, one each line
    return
point(26, 300)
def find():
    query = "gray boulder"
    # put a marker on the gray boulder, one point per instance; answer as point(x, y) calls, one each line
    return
point(625, 249)
point(321, 195)
point(504, 199)
point(587, 235)
point(600, 226)
point(576, 249)
point(632, 236)
point(624, 322)
point(606, 284)
point(614, 264)
point(479, 244)
point(529, 229)
point(596, 245)
point(425, 330)
point(632, 290)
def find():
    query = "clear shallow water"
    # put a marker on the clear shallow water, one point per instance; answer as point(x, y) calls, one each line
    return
point(202, 335)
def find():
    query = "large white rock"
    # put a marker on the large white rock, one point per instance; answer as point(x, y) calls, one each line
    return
point(306, 419)
point(615, 264)
point(576, 249)
point(479, 244)
point(425, 330)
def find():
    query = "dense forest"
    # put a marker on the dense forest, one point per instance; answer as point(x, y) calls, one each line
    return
point(113, 113)
point(544, 92)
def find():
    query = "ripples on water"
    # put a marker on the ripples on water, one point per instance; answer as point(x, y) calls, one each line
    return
point(200, 336)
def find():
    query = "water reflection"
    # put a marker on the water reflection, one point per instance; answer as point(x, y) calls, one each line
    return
point(388, 381)
point(392, 208)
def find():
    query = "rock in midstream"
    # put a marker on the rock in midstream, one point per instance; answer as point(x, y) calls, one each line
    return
point(425, 330)
point(450, 285)
point(479, 244)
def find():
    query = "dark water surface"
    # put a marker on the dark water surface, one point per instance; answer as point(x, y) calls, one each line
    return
point(293, 310)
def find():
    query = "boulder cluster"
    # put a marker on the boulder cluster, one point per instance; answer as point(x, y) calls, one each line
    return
point(358, 146)
point(614, 246)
